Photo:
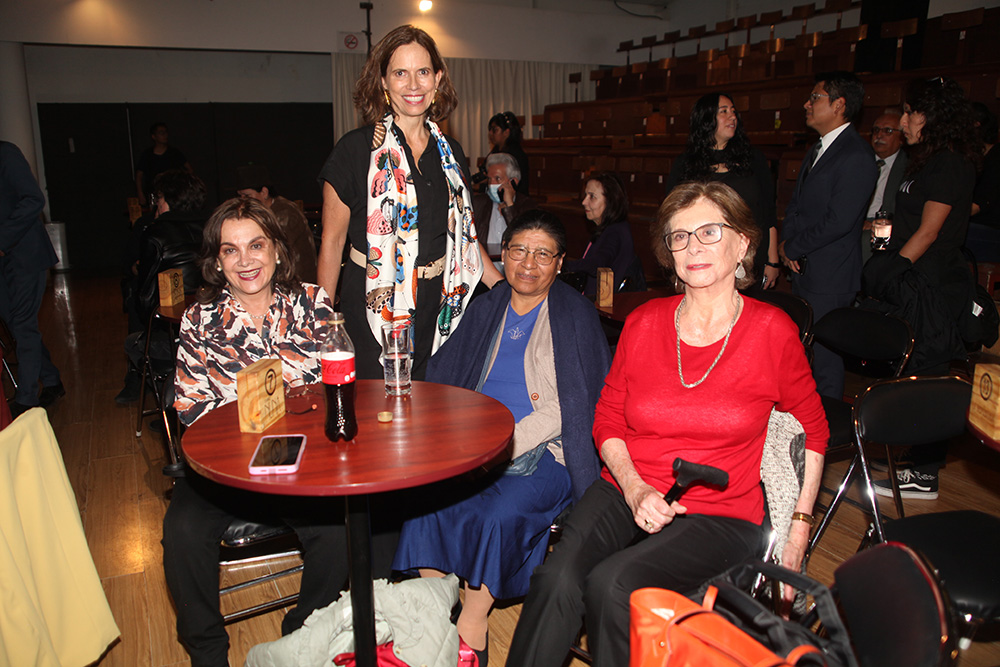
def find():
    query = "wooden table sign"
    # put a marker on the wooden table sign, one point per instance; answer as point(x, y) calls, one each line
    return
point(984, 411)
point(605, 286)
point(260, 393)
point(171, 287)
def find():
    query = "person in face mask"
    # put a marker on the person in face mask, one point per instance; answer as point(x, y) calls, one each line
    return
point(502, 203)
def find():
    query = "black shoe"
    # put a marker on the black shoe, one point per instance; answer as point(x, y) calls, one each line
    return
point(130, 392)
point(912, 484)
point(879, 463)
point(51, 394)
point(17, 409)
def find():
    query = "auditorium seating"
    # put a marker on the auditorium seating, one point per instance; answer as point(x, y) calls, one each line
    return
point(638, 123)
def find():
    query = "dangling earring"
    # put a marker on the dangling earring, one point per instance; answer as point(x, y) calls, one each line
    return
point(741, 273)
point(218, 267)
point(434, 96)
point(388, 102)
point(277, 260)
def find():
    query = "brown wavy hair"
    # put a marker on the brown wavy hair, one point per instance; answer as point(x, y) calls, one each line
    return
point(369, 95)
point(243, 208)
point(734, 211)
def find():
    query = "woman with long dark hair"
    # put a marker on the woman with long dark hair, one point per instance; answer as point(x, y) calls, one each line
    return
point(923, 276)
point(718, 150)
point(605, 206)
point(504, 133)
point(934, 201)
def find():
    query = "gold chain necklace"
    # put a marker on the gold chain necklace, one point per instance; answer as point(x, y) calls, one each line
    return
point(677, 329)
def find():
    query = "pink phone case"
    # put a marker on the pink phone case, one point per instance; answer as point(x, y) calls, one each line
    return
point(282, 469)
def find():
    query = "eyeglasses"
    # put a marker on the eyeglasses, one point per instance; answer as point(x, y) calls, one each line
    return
point(541, 255)
point(707, 235)
point(814, 97)
point(887, 131)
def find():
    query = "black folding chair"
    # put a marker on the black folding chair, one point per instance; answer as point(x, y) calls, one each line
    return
point(880, 345)
point(795, 306)
point(962, 545)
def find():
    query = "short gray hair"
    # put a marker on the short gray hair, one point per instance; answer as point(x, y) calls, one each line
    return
point(513, 171)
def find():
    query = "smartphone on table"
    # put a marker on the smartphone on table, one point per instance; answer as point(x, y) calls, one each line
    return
point(278, 454)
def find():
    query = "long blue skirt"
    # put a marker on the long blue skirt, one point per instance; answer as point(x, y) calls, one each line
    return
point(495, 536)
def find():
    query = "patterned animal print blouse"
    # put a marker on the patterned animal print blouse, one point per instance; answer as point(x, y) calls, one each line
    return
point(219, 339)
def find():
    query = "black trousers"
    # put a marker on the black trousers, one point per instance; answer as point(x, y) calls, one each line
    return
point(198, 515)
point(21, 295)
point(828, 366)
point(592, 572)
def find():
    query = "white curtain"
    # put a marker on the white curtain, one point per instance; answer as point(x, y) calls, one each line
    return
point(345, 68)
point(485, 88)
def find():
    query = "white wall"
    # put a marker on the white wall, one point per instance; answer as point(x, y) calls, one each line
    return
point(580, 31)
point(462, 29)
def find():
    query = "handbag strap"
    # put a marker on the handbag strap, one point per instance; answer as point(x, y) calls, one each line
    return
point(742, 576)
point(708, 602)
point(796, 653)
point(775, 628)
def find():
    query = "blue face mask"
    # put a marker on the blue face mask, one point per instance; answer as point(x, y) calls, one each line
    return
point(494, 193)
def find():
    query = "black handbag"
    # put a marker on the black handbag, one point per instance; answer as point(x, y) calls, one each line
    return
point(779, 634)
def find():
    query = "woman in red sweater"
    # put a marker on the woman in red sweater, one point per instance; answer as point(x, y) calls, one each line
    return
point(695, 376)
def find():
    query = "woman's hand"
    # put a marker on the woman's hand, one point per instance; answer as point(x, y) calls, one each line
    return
point(798, 531)
point(649, 510)
point(794, 552)
point(771, 274)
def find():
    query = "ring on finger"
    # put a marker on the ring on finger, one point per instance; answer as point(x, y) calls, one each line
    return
point(648, 524)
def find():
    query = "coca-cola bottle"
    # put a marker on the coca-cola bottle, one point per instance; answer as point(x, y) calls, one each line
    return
point(337, 356)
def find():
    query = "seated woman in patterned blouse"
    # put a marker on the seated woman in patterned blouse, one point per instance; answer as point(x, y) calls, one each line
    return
point(253, 308)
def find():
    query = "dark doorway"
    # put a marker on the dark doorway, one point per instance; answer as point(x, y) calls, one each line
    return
point(90, 151)
point(88, 178)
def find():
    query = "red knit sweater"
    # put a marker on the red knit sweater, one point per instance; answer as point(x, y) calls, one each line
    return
point(721, 422)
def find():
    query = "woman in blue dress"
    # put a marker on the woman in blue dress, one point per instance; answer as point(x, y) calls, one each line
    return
point(535, 345)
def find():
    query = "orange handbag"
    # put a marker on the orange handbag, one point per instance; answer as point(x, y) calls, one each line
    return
point(669, 630)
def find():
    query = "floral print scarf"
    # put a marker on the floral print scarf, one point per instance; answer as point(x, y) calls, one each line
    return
point(392, 233)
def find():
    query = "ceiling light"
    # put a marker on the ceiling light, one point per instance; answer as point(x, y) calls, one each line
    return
point(425, 5)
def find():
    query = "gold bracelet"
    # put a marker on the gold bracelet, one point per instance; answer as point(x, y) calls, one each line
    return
point(802, 516)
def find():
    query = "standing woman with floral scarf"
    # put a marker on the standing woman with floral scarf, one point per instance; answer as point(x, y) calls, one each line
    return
point(397, 188)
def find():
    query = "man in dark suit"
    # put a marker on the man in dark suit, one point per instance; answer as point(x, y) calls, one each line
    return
point(887, 140)
point(501, 204)
point(26, 254)
point(824, 217)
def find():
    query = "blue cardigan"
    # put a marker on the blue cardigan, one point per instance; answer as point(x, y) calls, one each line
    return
point(582, 360)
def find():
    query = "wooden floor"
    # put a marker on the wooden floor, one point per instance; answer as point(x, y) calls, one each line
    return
point(120, 490)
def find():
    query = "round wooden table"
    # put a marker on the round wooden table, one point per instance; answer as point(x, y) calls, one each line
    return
point(437, 432)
